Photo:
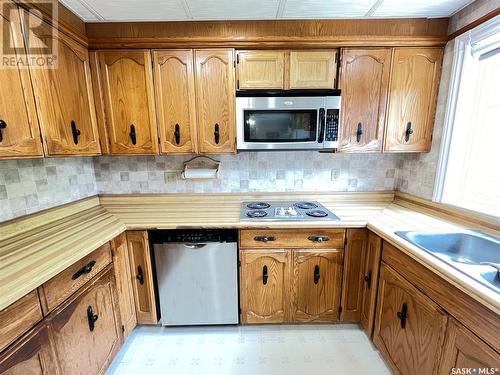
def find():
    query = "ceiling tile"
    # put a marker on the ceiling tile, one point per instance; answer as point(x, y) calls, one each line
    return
point(143, 10)
point(233, 9)
point(326, 8)
point(419, 8)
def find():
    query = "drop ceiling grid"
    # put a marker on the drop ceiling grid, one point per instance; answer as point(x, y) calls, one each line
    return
point(189, 10)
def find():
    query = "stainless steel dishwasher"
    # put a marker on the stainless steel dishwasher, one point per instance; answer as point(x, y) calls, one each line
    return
point(197, 276)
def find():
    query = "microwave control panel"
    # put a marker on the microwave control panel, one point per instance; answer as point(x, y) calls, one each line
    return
point(332, 125)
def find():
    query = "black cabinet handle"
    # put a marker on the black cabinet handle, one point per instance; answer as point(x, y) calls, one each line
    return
point(316, 274)
point(408, 132)
point(86, 269)
point(132, 134)
point(359, 132)
point(403, 315)
point(368, 279)
point(3, 125)
point(91, 318)
point(140, 275)
point(264, 238)
point(322, 125)
point(318, 238)
point(75, 131)
point(264, 275)
point(177, 134)
point(216, 134)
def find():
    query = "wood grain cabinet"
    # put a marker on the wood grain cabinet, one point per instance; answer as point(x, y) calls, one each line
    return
point(87, 329)
point(215, 87)
point(125, 78)
point(142, 277)
point(464, 350)
point(313, 69)
point(409, 326)
point(33, 354)
point(412, 98)
point(316, 285)
point(352, 275)
point(175, 100)
point(260, 69)
point(121, 265)
point(370, 273)
point(364, 81)
point(19, 131)
point(264, 286)
point(64, 97)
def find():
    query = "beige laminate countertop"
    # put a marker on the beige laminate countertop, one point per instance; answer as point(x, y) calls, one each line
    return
point(36, 248)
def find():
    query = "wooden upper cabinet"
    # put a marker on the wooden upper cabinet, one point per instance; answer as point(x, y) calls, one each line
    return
point(463, 349)
point(19, 131)
point(364, 81)
point(64, 97)
point(316, 285)
point(411, 105)
point(142, 277)
point(215, 88)
point(313, 69)
point(264, 286)
point(409, 326)
point(175, 100)
point(127, 87)
point(260, 69)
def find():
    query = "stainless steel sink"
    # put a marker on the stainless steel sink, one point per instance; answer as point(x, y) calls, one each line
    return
point(474, 253)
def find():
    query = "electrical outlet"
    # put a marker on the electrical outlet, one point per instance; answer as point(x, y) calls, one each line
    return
point(170, 176)
point(335, 174)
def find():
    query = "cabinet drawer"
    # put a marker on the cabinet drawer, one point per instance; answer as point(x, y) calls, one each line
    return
point(292, 239)
point(60, 287)
point(19, 318)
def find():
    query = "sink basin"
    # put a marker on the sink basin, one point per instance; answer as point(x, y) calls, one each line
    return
point(474, 253)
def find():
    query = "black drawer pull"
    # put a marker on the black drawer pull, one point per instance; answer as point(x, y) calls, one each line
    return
point(75, 131)
point(140, 275)
point(86, 269)
point(177, 134)
point(408, 132)
point(318, 238)
point(216, 134)
point(91, 318)
point(264, 238)
point(133, 135)
point(264, 275)
point(3, 125)
point(403, 315)
point(359, 133)
point(368, 279)
point(316, 274)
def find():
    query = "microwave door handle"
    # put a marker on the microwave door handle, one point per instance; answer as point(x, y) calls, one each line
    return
point(322, 120)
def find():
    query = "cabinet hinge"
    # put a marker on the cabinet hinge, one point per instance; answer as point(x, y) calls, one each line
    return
point(340, 311)
point(113, 252)
point(237, 58)
point(239, 310)
point(239, 263)
point(345, 240)
point(123, 328)
point(238, 84)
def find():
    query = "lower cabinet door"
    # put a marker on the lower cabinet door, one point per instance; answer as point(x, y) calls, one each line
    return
point(371, 270)
point(316, 285)
point(409, 327)
point(87, 329)
point(464, 350)
point(264, 286)
point(33, 354)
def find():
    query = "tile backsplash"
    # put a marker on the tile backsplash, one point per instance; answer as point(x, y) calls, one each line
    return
point(251, 172)
point(27, 186)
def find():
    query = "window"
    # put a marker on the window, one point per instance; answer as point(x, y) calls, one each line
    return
point(469, 168)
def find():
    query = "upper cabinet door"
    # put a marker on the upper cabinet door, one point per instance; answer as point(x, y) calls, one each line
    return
point(313, 69)
point(260, 69)
point(364, 82)
point(413, 90)
point(175, 100)
point(215, 94)
point(19, 132)
point(127, 85)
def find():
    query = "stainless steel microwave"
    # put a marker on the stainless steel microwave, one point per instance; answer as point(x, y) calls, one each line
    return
point(287, 120)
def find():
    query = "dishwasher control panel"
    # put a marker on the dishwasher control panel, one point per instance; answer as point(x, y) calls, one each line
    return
point(194, 236)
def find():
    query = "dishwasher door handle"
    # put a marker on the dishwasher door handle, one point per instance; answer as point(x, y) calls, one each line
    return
point(195, 245)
